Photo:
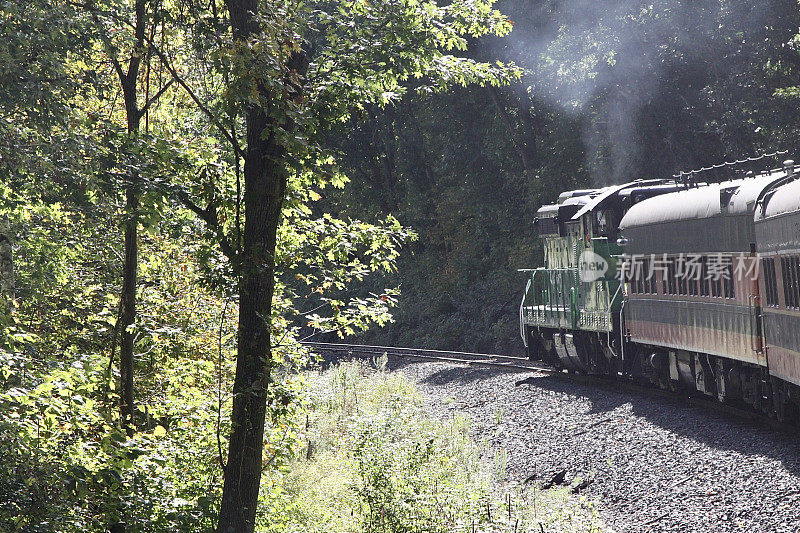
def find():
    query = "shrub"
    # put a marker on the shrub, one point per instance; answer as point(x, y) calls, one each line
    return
point(370, 459)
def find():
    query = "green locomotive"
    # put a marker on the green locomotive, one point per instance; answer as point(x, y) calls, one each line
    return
point(572, 304)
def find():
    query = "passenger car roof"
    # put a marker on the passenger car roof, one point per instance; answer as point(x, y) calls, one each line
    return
point(785, 199)
point(715, 199)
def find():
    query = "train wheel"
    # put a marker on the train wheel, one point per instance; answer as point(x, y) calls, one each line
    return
point(549, 354)
point(779, 400)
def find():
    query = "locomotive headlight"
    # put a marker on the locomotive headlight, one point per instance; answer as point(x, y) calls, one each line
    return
point(622, 241)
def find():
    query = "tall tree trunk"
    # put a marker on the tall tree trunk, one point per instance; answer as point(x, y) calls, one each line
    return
point(128, 82)
point(264, 187)
point(265, 179)
point(7, 288)
point(128, 315)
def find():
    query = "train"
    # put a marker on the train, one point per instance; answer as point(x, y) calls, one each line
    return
point(685, 283)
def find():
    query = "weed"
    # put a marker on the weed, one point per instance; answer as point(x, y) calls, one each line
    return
point(381, 464)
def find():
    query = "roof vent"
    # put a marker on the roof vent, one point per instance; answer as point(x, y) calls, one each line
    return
point(788, 165)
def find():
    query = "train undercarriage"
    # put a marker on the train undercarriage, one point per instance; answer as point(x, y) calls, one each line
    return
point(727, 380)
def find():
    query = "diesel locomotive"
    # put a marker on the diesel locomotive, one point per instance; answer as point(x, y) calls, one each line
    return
point(681, 283)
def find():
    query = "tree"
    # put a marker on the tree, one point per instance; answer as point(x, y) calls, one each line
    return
point(38, 79)
point(300, 69)
point(265, 179)
point(125, 30)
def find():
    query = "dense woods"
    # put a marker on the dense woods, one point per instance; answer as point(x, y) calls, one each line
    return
point(189, 189)
point(613, 91)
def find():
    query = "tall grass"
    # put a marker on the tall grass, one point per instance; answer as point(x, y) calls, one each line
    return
point(370, 459)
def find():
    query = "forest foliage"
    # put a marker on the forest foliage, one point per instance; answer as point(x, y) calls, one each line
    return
point(612, 91)
point(162, 254)
point(409, 145)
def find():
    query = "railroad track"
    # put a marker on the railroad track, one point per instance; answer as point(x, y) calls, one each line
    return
point(522, 364)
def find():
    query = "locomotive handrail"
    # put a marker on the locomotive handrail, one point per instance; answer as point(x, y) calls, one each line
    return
point(611, 302)
point(622, 332)
point(573, 306)
point(608, 312)
point(521, 306)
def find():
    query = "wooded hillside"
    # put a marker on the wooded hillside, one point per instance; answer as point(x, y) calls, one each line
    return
point(613, 91)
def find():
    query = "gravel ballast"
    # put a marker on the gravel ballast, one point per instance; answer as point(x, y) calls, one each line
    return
point(655, 464)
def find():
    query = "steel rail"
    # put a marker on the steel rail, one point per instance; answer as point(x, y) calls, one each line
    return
point(505, 361)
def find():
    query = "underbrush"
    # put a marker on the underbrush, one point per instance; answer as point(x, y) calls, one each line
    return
point(358, 453)
point(372, 460)
point(65, 466)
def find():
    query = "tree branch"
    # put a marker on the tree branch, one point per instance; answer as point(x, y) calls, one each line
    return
point(156, 96)
point(112, 50)
point(210, 217)
point(174, 73)
point(210, 114)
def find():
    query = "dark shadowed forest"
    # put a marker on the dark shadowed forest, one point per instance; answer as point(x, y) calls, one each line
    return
point(612, 92)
